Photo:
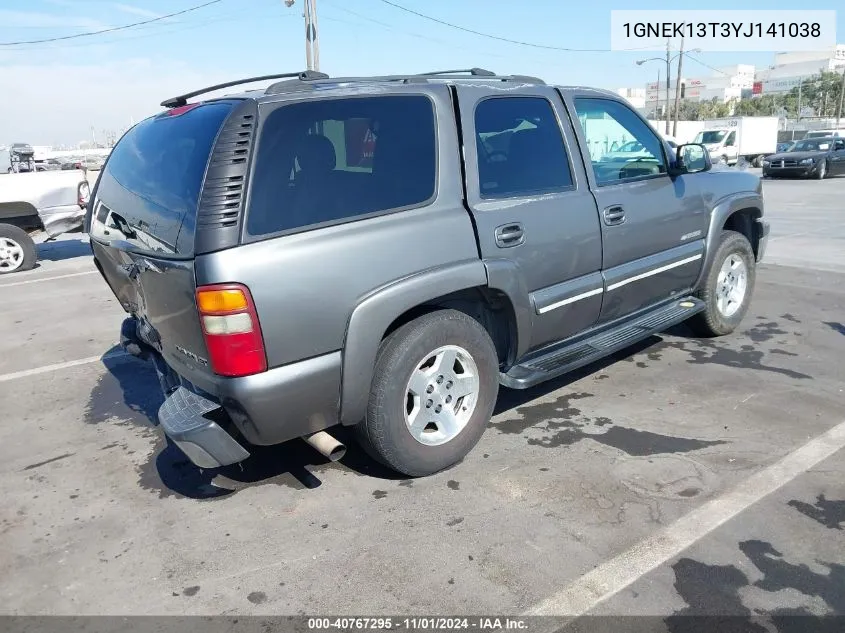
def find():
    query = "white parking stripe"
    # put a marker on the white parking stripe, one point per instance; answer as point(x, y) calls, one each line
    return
point(605, 581)
point(71, 363)
point(35, 281)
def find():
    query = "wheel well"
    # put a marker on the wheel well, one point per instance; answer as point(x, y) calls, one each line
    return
point(491, 308)
point(20, 214)
point(743, 221)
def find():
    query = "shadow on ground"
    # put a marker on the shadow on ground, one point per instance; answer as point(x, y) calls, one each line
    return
point(129, 394)
point(59, 250)
point(712, 593)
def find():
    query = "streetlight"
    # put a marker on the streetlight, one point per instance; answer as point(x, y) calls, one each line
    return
point(668, 61)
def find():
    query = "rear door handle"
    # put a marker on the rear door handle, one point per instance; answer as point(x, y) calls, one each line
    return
point(614, 215)
point(509, 235)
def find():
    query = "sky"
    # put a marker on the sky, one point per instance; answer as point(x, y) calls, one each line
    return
point(55, 93)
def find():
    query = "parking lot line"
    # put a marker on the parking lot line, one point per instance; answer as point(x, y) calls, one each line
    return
point(35, 281)
point(582, 595)
point(57, 366)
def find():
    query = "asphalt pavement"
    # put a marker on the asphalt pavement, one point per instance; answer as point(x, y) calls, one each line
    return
point(683, 477)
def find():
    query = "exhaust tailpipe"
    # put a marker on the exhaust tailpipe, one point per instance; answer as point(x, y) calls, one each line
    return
point(326, 445)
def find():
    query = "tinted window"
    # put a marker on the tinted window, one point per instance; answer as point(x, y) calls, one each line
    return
point(606, 123)
point(338, 159)
point(153, 178)
point(520, 147)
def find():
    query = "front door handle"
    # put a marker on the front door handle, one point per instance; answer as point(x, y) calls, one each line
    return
point(614, 215)
point(509, 235)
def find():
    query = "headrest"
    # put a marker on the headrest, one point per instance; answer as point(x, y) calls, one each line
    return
point(316, 153)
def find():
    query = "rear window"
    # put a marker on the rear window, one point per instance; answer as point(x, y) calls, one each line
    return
point(330, 161)
point(151, 184)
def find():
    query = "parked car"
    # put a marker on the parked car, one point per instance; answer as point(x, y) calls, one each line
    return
point(633, 150)
point(814, 157)
point(346, 251)
point(825, 133)
point(37, 206)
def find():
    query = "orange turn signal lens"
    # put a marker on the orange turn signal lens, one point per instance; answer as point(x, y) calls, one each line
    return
point(228, 300)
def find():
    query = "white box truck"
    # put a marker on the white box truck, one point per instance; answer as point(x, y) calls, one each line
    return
point(748, 137)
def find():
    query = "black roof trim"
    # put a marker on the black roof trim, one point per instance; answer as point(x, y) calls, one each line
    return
point(175, 102)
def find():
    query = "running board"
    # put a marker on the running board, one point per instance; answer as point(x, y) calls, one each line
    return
point(566, 358)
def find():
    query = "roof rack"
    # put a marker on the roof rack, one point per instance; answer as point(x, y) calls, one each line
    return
point(476, 72)
point(175, 102)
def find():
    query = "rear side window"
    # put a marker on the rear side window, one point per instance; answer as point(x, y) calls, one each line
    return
point(520, 148)
point(330, 161)
point(151, 184)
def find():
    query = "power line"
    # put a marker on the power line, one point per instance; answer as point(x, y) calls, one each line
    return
point(698, 61)
point(505, 39)
point(394, 29)
point(163, 30)
point(114, 28)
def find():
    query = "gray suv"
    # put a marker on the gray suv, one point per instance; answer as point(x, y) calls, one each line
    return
point(385, 252)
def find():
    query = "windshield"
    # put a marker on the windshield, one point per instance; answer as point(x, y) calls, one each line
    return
point(710, 136)
point(810, 146)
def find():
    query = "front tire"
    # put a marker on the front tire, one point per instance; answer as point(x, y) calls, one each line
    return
point(434, 388)
point(821, 172)
point(17, 250)
point(727, 288)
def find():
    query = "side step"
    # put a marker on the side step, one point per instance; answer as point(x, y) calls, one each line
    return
point(604, 342)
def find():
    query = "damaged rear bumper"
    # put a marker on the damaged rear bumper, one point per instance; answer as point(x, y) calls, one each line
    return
point(187, 416)
point(183, 419)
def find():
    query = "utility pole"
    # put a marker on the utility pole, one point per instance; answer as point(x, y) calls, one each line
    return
point(668, 73)
point(678, 89)
point(657, 91)
point(312, 42)
point(800, 84)
point(315, 40)
point(841, 99)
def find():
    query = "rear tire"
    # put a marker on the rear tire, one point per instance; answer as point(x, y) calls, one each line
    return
point(17, 250)
point(727, 288)
point(419, 420)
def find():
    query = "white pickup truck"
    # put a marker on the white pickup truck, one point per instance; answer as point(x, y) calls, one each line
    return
point(35, 207)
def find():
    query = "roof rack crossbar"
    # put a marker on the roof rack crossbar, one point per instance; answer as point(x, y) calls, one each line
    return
point(175, 102)
point(475, 72)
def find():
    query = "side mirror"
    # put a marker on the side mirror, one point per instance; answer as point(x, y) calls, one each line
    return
point(691, 158)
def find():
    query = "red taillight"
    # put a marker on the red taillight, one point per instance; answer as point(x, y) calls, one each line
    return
point(232, 332)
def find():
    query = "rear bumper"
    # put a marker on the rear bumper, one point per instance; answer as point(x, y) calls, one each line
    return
point(272, 407)
point(182, 418)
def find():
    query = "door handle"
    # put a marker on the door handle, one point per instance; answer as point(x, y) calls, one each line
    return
point(509, 235)
point(614, 215)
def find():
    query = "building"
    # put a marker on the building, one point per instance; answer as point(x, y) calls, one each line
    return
point(790, 69)
point(726, 84)
point(635, 96)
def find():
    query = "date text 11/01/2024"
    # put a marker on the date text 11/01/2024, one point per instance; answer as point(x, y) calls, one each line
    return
point(722, 29)
point(418, 624)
